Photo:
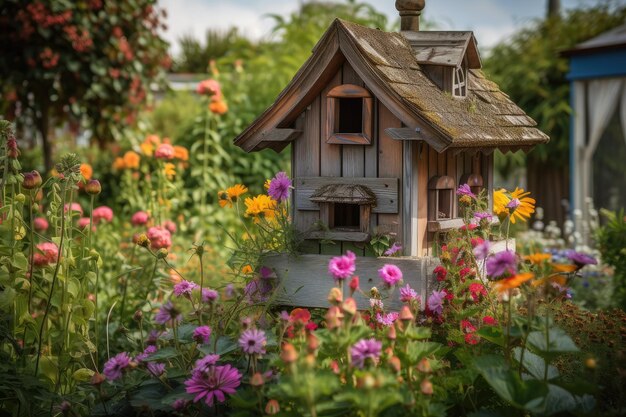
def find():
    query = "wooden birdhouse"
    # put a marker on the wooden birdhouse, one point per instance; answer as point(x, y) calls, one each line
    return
point(383, 128)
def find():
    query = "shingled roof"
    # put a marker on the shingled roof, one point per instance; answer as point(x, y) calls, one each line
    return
point(389, 64)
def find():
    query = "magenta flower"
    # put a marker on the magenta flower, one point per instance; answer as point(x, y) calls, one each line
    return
point(253, 342)
point(342, 267)
point(114, 367)
point(513, 204)
point(202, 365)
point(184, 288)
point(390, 275)
point(435, 301)
point(465, 190)
point(501, 263)
point(408, 294)
point(140, 218)
point(102, 213)
point(164, 151)
point(387, 319)
point(156, 369)
point(365, 349)
point(202, 334)
point(482, 215)
point(149, 350)
point(395, 248)
point(481, 251)
point(166, 313)
point(40, 224)
point(180, 404)
point(213, 383)
point(49, 254)
point(279, 187)
point(581, 259)
point(159, 237)
point(73, 207)
point(209, 295)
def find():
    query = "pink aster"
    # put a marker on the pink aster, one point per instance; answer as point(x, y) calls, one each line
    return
point(159, 237)
point(279, 187)
point(140, 218)
point(365, 349)
point(164, 151)
point(102, 213)
point(184, 288)
point(156, 369)
point(40, 224)
point(49, 254)
point(167, 313)
point(213, 383)
point(501, 263)
point(115, 366)
point(387, 319)
point(408, 294)
point(342, 267)
point(395, 248)
point(465, 190)
point(202, 334)
point(435, 302)
point(481, 251)
point(209, 295)
point(390, 275)
point(253, 342)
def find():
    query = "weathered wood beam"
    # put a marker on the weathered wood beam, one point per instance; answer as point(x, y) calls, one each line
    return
point(280, 135)
point(342, 236)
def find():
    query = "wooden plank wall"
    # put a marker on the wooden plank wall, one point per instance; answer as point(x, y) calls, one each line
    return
point(451, 163)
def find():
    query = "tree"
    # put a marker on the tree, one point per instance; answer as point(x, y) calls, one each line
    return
point(531, 70)
point(91, 61)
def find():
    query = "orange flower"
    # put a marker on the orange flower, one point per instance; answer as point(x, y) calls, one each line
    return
point(512, 282)
point(131, 160)
point(537, 258)
point(247, 269)
point(180, 152)
point(86, 171)
point(226, 198)
point(223, 200)
point(218, 107)
point(554, 278)
point(563, 268)
point(169, 170)
point(119, 163)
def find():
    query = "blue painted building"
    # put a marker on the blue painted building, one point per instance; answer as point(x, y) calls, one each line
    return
point(598, 134)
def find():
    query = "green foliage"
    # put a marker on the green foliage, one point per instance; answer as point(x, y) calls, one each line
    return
point(530, 68)
point(611, 239)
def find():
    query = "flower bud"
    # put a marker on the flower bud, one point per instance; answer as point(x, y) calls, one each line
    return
point(20, 198)
point(257, 380)
point(310, 360)
point(374, 293)
point(32, 180)
point(354, 284)
point(366, 381)
point(142, 240)
point(93, 187)
point(424, 366)
point(391, 333)
point(162, 253)
point(334, 296)
point(94, 254)
point(406, 315)
point(333, 317)
point(97, 378)
point(288, 353)
point(590, 363)
point(312, 342)
point(272, 407)
point(394, 364)
point(138, 316)
point(349, 306)
point(426, 387)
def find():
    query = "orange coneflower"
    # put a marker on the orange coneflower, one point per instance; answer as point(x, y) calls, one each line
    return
point(563, 268)
point(538, 258)
point(554, 278)
point(236, 191)
point(119, 163)
point(525, 206)
point(180, 152)
point(512, 282)
point(131, 160)
point(86, 171)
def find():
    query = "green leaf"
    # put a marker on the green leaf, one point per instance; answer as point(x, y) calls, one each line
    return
point(559, 342)
point(82, 374)
point(535, 364)
point(162, 354)
point(492, 334)
point(419, 350)
point(418, 333)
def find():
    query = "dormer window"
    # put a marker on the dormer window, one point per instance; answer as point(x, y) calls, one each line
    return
point(459, 81)
point(349, 115)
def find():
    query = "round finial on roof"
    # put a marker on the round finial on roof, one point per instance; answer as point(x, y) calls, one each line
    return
point(410, 11)
point(409, 5)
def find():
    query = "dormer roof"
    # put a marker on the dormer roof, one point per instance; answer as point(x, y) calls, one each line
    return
point(388, 64)
point(447, 48)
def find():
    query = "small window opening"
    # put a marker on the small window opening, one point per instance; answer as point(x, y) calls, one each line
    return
point(459, 88)
point(350, 115)
point(347, 216)
point(444, 206)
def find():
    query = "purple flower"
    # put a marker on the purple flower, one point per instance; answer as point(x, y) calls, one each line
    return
point(581, 259)
point(482, 215)
point(180, 404)
point(501, 263)
point(395, 248)
point(184, 288)
point(253, 341)
point(390, 275)
point(201, 334)
point(408, 294)
point(481, 251)
point(114, 367)
point(153, 337)
point(166, 313)
point(258, 290)
point(266, 272)
point(465, 190)
point(284, 315)
point(156, 369)
point(387, 319)
point(279, 187)
point(513, 204)
point(435, 302)
point(229, 291)
point(149, 350)
point(209, 295)
point(202, 365)
point(365, 349)
point(342, 267)
point(213, 383)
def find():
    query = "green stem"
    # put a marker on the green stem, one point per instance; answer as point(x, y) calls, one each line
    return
point(205, 159)
point(32, 253)
point(201, 306)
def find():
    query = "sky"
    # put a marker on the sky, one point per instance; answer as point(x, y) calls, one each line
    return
point(492, 21)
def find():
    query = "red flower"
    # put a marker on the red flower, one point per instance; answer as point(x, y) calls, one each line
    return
point(467, 327)
point(489, 321)
point(470, 226)
point(476, 290)
point(477, 241)
point(441, 273)
point(472, 339)
point(311, 326)
point(449, 295)
point(300, 315)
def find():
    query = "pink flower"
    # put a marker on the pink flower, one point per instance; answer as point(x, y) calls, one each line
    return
point(49, 255)
point(102, 213)
point(170, 226)
point(164, 151)
point(342, 267)
point(83, 222)
point(209, 295)
point(40, 224)
point(115, 366)
point(73, 207)
point(465, 190)
point(472, 338)
point(209, 88)
point(408, 294)
point(184, 288)
point(202, 334)
point(387, 319)
point(140, 218)
point(212, 383)
point(279, 187)
point(390, 275)
point(365, 349)
point(159, 237)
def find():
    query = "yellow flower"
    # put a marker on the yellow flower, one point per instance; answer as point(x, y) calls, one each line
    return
point(537, 258)
point(260, 205)
point(236, 191)
point(86, 171)
point(169, 170)
point(131, 160)
point(267, 184)
point(223, 200)
point(500, 200)
point(512, 282)
point(526, 206)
